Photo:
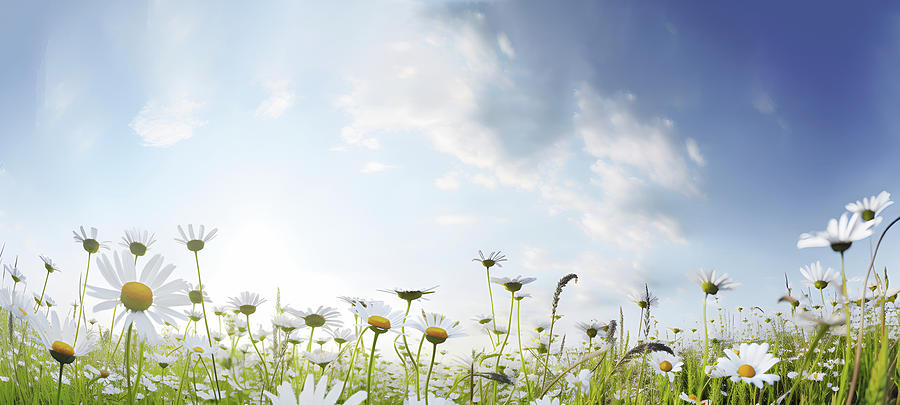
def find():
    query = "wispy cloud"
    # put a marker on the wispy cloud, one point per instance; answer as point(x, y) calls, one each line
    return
point(161, 125)
point(694, 152)
point(448, 182)
point(456, 219)
point(375, 167)
point(281, 97)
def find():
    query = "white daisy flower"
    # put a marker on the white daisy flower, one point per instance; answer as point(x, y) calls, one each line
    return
point(16, 304)
point(483, 319)
point(378, 316)
point(16, 275)
point(287, 323)
point(246, 302)
point(493, 259)
point(138, 241)
point(839, 234)
point(412, 295)
point(437, 328)
point(314, 394)
point(581, 381)
point(59, 338)
point(693, 399)
point(320, 357)
point(748, 364)
point(815, 277)
point(195, 242)
point(147, 299)
point(711, 284)
point(341, 336)
point(870, 208)
point(90, 244)
point(512, 284)
point(643, 299)
point(164, 360)
point(48, 264)
point(590, 329)
point(320, 317)
point(194, 294)
point(296, 337)
point(663, 363)
point(198, 346)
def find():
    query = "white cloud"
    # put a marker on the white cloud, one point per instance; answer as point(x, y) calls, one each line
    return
point(375, 167)
point(352, 136)
point(281, 97)
point(448, 182)
point(763, 103)
point(506, 46)
point(456, 219)
point(163, 125)
point(694, 152)
point(484, 180)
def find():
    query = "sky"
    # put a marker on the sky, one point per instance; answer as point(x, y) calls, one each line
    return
point(342, 148)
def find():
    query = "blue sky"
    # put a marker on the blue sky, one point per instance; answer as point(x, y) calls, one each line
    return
point(341, 148)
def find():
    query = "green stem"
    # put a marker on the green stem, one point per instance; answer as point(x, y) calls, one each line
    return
point(493, 316)
point(512, 302)
point(430, 366)
point(206, 323)
point(81, 300)
point(261, 358)
point(41, 300)
point(128, 363)
point(59, 383)
point(521, 353)
point(369, 395)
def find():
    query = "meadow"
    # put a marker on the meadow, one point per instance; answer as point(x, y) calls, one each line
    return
point(168, 342)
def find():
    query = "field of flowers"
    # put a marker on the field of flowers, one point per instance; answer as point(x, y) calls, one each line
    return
point(167, 342)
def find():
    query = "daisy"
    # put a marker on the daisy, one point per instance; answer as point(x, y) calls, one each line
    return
point(341, 336)
point(411, 295)
point(287, 323)
point(194, 293)
point(195, 243)
point(869, 208)
point(320, 317)
point(16, 304)
point(590, 328)
point(839, 234)
point(49, 265)
point(315, 394)
point(59, 338)
point(246, 302)
point(320, 357)
point(643, 299)
point(198, 346)
point(512, 284)
point(164, 360)
point(815, 277)
point(137, 241)
point(379, 317)
point(748, 364)
point(437, 328)
point(693, 399)
point(296, 337)
point(665, 364)
point(711, 284)
point(493, 259)
point(194, 315)
point(16, 275)
point(483, 319)
point(90, 244)
point(147, 299)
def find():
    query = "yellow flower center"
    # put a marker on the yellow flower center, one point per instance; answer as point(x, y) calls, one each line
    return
point(693, 397)
point(380, 322)
point(665, 366)
point(198, 349)
point(136, 296)
point(436, 332)
point(62, 348)
point(22, 311)
point(746, 371)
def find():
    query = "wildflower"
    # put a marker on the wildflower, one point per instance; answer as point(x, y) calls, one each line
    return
point(437, 328)
point(693, 399)
point(49, 265)
point(246, 302)
point(138, 242)
point(195, 243)
point(147, 299)
point(194, 293)
point(378, 316)
point(815, 277)
point(320, 357)
point(749, 364)
point(16, 304)
point(665, 364)
point(198, 346)
point(412, 295)
point(644, 299)
point(581, 381)
point(341, 336)
point(286, 322)
point(90, 244)
point(589, 328)
point(194, 315)
point(314, 394)
point(839, 234)
point(14, 273)
point(59, 339)
point(869, 208)
point(512, 284)
point(493, 259)
point(164, 360)
point(483, 319)
point(711, 284)
point(320, 317)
